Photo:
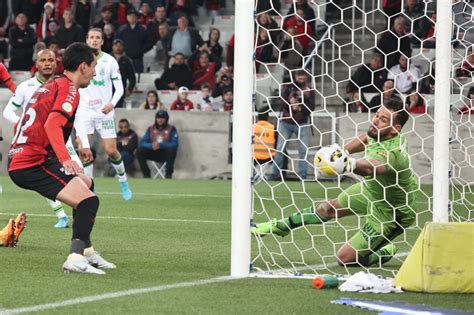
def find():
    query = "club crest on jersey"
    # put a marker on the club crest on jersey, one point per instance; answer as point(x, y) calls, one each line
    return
point(382, 153)
point(67, 107)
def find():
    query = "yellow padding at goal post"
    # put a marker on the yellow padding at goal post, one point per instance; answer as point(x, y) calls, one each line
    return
point(442, 260)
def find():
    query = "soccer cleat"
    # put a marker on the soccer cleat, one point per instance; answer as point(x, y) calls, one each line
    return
point(126, 192)
point(62, 223)
point(79, 263)
point(20, 224)
point(270, 227)
point(97, 261)
point(7, 235)
point(388, 251)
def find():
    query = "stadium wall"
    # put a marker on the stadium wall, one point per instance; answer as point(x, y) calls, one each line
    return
point(205, 138)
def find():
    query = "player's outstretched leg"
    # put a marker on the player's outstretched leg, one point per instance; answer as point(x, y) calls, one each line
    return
point(7, 234)
point(324, 212)
point(63, 221)
point(349, 255)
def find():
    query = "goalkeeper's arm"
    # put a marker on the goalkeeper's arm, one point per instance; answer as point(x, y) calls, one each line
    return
point(368, 167)
point(357, 144)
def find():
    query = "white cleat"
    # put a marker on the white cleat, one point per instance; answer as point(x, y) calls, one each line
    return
point(97, 261)
point(79, 263)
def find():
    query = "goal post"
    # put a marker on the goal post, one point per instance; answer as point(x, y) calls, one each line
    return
point(242, 137)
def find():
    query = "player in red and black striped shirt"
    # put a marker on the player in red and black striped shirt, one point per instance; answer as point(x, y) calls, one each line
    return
point(6, 78)
point(39, 160)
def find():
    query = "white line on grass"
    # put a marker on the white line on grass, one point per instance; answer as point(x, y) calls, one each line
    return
point(129, 218)
point(113, 295)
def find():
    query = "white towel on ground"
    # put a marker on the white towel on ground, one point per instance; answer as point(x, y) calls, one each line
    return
point(368, 282)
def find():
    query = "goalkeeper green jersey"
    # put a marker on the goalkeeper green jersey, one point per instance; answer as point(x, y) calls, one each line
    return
point(398, 181)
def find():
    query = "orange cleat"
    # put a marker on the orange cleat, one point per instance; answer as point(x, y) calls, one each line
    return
point(7, 235)
point(20, 224)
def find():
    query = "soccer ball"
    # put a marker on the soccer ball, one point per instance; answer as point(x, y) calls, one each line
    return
point(330, 161)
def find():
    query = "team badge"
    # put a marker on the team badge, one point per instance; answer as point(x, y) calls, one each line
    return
point(382, 153)
point(67, 107)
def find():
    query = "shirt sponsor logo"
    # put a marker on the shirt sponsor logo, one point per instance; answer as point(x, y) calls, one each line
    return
point(67, 107)
point(14, 151)
point(382, 153)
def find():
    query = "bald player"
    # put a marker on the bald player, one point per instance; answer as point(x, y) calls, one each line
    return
point(46, 65)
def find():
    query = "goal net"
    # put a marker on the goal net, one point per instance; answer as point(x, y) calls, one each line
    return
point(322, 69)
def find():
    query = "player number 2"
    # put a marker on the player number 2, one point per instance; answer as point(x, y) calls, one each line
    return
point(31, 113)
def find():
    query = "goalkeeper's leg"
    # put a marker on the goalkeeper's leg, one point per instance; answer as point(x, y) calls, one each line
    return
point(307, 216)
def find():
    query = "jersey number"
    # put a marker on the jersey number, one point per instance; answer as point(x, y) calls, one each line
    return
point(19, 137)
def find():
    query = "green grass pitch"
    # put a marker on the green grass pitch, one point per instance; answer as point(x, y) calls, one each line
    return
point(172, 235)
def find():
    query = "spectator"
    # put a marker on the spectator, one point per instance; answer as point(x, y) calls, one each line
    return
point(356, 102)
point(307, 13)
point(412, 10)
point(183, 39)
point(146, 16)
point(109, 35)
point(271, 6)
point(415, 103)
point(22, 39)
point(127, 143)
point(179, 8)
point(177, 75)
point(392, 42)
point(83, 13)
point(427, 84)
point(106, 18)
point(387, 93)
point(152, 102)
point(136, 39)
point(264, 20)
point(264, 49)
point(369, 78)
point(468, 108)
point(227, 103)
point(303, 33)
point(160, 144)
point(161, 50)
point(126, 69)
point(70, 32)
point(426, 31)
point(182, 102)
point(391, 8)
point(297, 106)
point(52, 32)
point(203, 71)
point(120, 10)
point(159, 19)
point(5, 13)
point(467, 66)
point(290, 51)
point(404, 75)
point(60, 6)
point(229, 59)
point(263, 140)
point(205, 103)
point(32, 9)
point(3, 43)
point(212, 46)
point(42, 30)
point(224, 81)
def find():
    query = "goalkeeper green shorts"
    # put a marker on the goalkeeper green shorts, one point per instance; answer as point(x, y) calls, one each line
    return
point(382, 223)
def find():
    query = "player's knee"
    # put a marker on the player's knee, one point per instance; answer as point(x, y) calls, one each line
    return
point(326, 210)
point(111, 151)
point(87, 180)
point(346, 255)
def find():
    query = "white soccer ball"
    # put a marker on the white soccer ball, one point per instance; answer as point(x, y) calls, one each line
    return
point(330, 161)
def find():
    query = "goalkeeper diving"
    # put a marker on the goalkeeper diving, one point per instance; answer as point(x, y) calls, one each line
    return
point(386, 196)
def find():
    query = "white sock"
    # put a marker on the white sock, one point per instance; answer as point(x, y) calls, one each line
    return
point(119, 169)
point(89, 170)
point(57, 208)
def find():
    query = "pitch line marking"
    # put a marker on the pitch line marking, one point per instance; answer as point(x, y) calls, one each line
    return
point(113, 295)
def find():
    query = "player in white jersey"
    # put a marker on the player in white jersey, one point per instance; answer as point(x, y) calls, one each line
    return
point(96, 109)
point(46, 64)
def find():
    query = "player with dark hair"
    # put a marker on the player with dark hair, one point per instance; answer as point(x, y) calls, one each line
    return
point(40, 161)
point(386, 196)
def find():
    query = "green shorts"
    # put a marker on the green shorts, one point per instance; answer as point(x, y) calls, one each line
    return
point(382, 222)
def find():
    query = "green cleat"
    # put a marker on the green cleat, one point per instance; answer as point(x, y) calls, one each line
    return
point(270, 227)
point(388, 251)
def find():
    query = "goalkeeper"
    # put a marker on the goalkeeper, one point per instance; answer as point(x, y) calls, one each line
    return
point(386, 196)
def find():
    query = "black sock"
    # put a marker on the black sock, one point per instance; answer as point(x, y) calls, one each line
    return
point(84, 217)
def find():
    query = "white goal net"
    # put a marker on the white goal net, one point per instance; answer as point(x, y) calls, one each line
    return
point(322, 70)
